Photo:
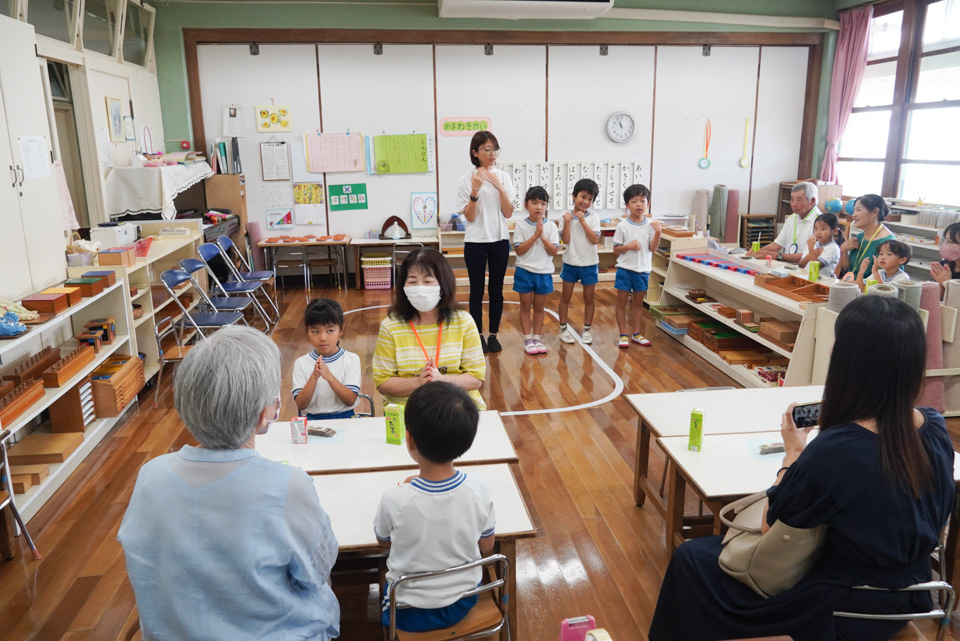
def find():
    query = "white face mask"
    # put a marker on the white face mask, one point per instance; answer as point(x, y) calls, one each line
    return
point(423, 297)
point(276, 418)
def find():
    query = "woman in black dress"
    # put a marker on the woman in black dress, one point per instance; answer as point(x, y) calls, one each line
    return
point(879, 474)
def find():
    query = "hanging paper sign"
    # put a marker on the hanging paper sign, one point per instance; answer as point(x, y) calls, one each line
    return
point(463, 126)
point(347, 196)
point(423, 210)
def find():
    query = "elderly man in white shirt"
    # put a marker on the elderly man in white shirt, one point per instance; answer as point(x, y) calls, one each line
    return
point(791, 245)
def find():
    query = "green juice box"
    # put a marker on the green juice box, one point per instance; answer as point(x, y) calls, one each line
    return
point(395, 427)
point(696, 430)
point(755, 246)
point(814, 272)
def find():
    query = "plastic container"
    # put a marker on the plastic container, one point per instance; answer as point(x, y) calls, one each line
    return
point(377, 272)
point(142, 246)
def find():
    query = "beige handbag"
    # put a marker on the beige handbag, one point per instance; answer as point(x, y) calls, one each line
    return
point(768, 563)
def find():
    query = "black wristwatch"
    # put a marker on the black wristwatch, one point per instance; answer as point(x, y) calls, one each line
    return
point(474, 198)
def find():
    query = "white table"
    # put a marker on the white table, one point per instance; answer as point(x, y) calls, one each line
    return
point(736, 411)
point(351, 501)
point(360, 445)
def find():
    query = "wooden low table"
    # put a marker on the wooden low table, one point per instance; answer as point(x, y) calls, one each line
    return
point(340, 246)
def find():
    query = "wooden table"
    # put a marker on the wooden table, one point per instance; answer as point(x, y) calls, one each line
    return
point(359, 244)
point(351, 501)
point(339, 245)
point(360, 446)
point(736, 411)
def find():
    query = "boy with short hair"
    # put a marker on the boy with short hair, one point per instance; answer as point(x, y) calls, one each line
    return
point(580, 233)
point(326, 382)
point(892, 257)
point(536, 241)
point(439, 519)
point(634, 242)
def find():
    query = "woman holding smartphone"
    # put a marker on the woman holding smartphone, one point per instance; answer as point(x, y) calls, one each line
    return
point(485, 198)
point(879, 475)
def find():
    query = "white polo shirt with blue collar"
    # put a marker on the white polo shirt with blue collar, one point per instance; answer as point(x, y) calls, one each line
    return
point(796, 230)
point(345, 367)
point(628, 231)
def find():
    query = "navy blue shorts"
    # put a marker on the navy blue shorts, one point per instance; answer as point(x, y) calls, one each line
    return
point(630, 281)
point(587, 274)
point(322, 417)
point(525, 282)
point(426, 619)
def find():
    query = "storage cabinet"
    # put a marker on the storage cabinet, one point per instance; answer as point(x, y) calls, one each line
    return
point(29, 207)
point(229, 191)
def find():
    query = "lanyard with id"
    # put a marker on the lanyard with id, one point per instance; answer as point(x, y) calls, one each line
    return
point(426, 355)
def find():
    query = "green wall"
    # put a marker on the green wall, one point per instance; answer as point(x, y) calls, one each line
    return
point(378, 14)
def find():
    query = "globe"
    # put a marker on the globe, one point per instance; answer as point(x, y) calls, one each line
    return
point(848, 206)
point(833, 206)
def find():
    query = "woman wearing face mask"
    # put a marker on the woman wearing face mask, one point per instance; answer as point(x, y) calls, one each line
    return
point(949, 267)
point(426, 336)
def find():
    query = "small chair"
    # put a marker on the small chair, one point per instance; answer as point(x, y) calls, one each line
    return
point(215, 303)
point(400, 250)
point(231, 289)
point(486, 618)
point(6, 495)
point(296, 259)
point(174, 354)
point(199, 320)
point(209, 251)
point(331, 262)
point(366, 397)
point(265, 276)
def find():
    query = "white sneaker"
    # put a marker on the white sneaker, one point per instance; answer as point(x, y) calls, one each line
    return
point(586, 337)
point(567, 337)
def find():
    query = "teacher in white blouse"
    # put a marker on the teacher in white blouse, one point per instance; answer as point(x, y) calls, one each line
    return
point(485, 198)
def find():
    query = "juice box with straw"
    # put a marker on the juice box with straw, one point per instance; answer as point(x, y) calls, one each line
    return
point(814, 271)
point(696, 430)
point(298, 430)
point(395, 427)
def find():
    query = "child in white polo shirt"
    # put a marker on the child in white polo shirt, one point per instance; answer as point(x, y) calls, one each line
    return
point(634, 242)
point(438, 519)
point(326, 381)
point(580, 234)
point(536, 241)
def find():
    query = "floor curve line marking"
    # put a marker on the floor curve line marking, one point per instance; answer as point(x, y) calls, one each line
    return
point(617, 381)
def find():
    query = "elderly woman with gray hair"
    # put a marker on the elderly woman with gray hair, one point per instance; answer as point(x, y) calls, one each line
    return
point(221, 543)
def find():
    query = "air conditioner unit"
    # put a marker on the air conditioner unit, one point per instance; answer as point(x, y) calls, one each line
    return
point(525, 9)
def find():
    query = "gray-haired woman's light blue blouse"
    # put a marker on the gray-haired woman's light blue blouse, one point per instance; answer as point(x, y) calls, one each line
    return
point(224, 544)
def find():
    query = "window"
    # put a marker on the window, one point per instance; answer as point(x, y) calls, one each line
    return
point(136, 34)
point(8, 8)
point(903, 137)
point(55, 19)
point(100, 23)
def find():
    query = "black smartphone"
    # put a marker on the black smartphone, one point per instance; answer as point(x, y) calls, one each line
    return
point(806, 414)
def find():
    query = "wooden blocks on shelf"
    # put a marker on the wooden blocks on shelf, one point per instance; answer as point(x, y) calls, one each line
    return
point(108, 277)
point(88, 286)
point(780, 333)
point(33, 367)
point(125, 256)
point(73, 294)
point(23, 477)
point(106, 327)
point(90, 338)
point(744, 316)
point(68, 366)
point(19, 400)
point(116, 383)
point(44, 448)
point(727, 312)
point(46, 303)
point(73, 411)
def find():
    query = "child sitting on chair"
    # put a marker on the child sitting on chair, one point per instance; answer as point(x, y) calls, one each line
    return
point(437, 520)
point(326, 382)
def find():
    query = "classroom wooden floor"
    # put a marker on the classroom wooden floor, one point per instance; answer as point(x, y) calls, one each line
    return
point(596, 553)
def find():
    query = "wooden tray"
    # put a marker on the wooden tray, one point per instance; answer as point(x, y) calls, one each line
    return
point(19, 400)
point(7, 338)
point(39, 320)
point(44, 448)
point(799, 289)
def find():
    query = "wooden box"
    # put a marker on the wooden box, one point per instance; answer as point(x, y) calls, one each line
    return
point(33, 367)
point(46, 303)
point(744, 316)
point(68, 367)
point(44, 448)
point(26, 476)
point(782, 333)
point(726, 341)
point(89, 286)
point(106, 327)
point(74, 294)
point(761, 280)
point(697, 329)
point(682, 321)
point(6, 387)
point(73, 411)
point(125, 256)
point(727, 312)
point(108, 277)
point(799, 289)
point(90, 338)
point(19, 400)
point(115, 383)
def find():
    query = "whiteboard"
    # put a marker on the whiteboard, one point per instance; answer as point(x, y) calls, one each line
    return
point(783, 73)
point(509, 87)
point(390, 93)
point(691, 88)
point(285, 73)
point(585, 89)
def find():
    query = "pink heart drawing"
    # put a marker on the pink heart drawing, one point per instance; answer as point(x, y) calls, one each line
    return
point(425, 208)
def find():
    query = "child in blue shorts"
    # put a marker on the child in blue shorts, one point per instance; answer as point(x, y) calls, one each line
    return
point(536, 241)
point(326, 382)
point(580, 234)
point(634, 242)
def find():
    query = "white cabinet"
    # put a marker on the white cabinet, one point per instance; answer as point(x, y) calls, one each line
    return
point(29, 209)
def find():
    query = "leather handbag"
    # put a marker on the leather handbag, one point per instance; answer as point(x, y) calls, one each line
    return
point(768, 563)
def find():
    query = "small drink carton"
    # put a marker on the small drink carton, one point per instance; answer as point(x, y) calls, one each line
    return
point(755, 246)
point(696, 430)
point(395, 426)
point(814, 272)
point(298, 430)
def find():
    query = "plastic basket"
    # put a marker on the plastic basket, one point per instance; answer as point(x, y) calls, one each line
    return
point(377, 276)
point(375, 260)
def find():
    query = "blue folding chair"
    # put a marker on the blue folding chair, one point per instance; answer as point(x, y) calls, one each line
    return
point(208, 252)
point(266, 276)
point(199, 320)
point(225, 303)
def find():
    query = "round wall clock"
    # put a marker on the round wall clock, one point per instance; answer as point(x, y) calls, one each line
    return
point(621, 126)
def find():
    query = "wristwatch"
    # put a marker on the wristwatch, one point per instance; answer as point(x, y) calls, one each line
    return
point(780, 255)
point(474, 198)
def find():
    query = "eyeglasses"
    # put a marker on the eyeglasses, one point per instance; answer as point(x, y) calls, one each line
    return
point(490, 150)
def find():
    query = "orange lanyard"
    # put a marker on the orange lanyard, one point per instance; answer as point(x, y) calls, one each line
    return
point(436, 361)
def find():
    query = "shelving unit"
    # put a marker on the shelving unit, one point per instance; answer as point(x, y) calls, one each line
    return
point(660, 262)
point(739, 291)
point(59, 332)
point(923, 254)
point(759, 227)
point(165, 253)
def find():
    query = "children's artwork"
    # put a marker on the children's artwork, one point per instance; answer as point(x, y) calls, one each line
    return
point(308, 194)
point(115, 118)
point(334, 152)
point(277, 196)
point(281, 218)
point(403, 154)
point(463, 126)
point(311, 215)
point(273, 119)
point(343, 197)
point(423, 210)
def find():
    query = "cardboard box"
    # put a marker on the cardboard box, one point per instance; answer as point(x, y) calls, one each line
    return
point(108, 277)
point(46, 303)
point(74, 294)
point(124, 256)
point(88, 286)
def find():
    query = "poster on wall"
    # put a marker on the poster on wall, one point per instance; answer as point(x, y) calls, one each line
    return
point(232, 124)
point(129, 130)
point(280, 218)
point(273, 119)
point(423, 210)
point(308, 193)
point(463, 126)
point(115, 118)
point(344, 197)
